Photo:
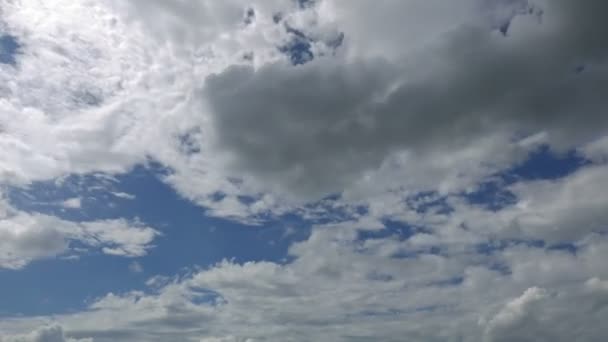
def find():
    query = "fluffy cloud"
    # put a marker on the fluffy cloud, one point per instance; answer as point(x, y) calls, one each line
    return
point(532, 316)
point(343, 287)
point(161, 88)
point(52, 333)
point(345, 283)
point(556, 211)
point(25, 237)
point(398, 98)
point(317, 128)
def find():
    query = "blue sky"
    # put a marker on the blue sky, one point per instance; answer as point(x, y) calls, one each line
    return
point(190, 238)
point(285, 170)
point(9, 48)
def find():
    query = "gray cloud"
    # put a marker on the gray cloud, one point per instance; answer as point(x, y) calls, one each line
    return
point(316, 128)
point(421, 94)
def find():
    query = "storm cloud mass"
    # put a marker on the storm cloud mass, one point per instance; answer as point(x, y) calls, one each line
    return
point(437, 169)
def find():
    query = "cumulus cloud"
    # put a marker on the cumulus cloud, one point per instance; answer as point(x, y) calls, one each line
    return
point(393, 99)
point(532, 316)
point(52, 333)
point(556, 211)
point(155, 87)
point(341, 286)
point(25, 237)
point(316, 128)
point(24, 240)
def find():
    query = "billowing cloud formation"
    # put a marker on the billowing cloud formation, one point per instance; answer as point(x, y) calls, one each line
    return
point(484, 73)
point(344, 288)
point(318, 127)
point(401, 108)
point(465, 275)
point(532, 316)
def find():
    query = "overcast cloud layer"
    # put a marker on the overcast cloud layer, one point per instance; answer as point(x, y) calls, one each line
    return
point(346, 114)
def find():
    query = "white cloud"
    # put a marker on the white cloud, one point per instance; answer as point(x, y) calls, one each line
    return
point(561, 210)
point(136, 267)
point(52, 333)
point(72, 203)
point(124, 195)
point(25, 237)
point(375, 122)
point(341, 288)
point(423, 95)
point(534, 316)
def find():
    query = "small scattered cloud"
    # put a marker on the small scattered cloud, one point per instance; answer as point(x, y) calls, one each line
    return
point(72, 203)
point(124, 195)
point(136, 267)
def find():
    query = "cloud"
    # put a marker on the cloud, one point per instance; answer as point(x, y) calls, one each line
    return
point(124, 195)
point(556, 211)
point(341, 286)
point(25, 237)
point(23, 240)
point(532, 316)
point(418, 96)
point(136, 267)
point(421, 113)
point(72, 203)
point(52, 333)
point(317, 128)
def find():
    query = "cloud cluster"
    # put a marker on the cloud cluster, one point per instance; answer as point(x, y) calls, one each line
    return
point(341, 287)
point(469, 274)
point(25, 237)
point(470, 80)
point(52, 333)
point(317, 128)
point(532, 316)
point(401, 108)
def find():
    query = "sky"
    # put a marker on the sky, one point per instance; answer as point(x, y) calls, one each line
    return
point(291, 170)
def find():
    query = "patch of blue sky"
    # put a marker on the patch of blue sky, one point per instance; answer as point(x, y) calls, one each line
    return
point(303, 4)
point(494, 246)
point(429, 201)
point(491, 195)
point(565, 247)
point(396, 229)
point(408, 254)
point(61, 286)
point(299, 48)
point(9, 49)
point(541, 164)
point(544, 163)
point(189, 239)
point(453, 281)
point(328, 210)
